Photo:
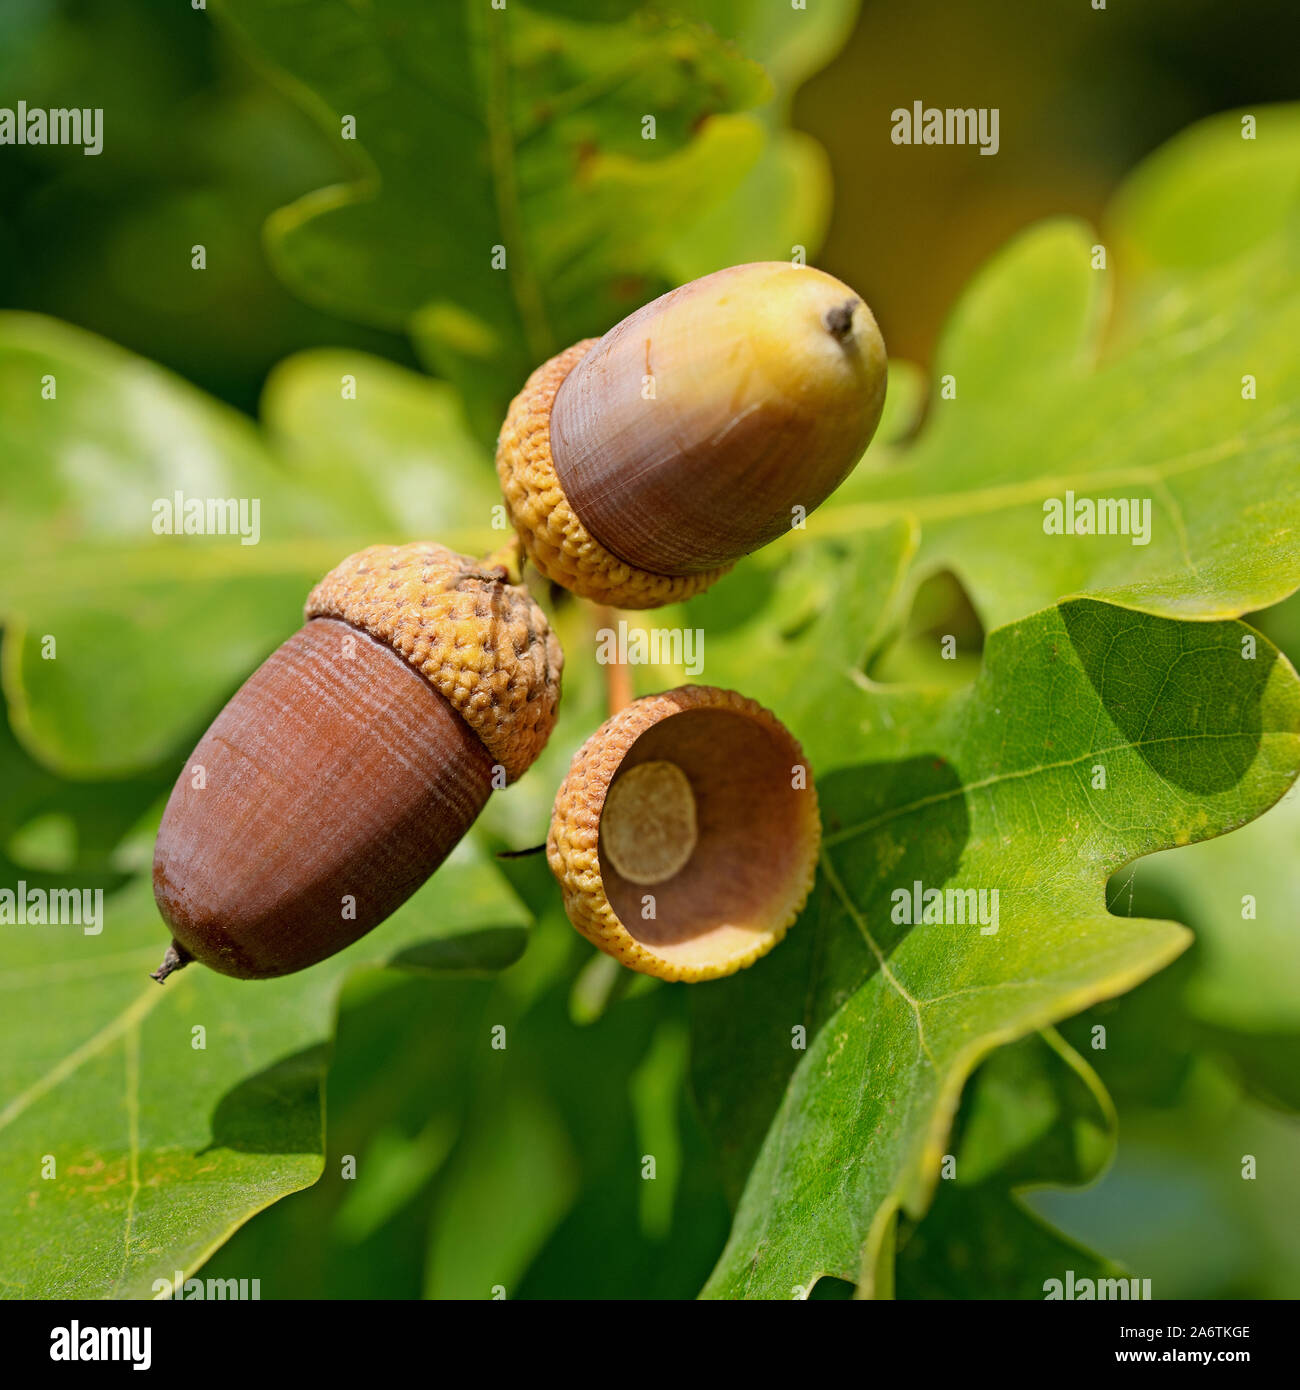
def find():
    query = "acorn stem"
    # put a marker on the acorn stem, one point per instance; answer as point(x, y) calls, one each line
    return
point(174, 958)
point(509, 558)
point(839, 319)
point(618, 679)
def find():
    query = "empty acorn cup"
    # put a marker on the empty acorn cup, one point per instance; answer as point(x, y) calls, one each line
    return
point(686, 834)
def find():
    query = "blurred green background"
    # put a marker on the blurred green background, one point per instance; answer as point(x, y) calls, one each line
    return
point(204, 148)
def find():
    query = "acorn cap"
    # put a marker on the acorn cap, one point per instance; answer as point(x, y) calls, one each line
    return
point(485, 646)
point(686, 834)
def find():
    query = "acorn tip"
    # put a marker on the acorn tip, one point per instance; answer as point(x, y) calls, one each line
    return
point(839, 319)
point(172, 960)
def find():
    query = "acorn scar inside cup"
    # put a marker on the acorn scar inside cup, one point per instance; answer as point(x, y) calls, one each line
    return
point(685, 837)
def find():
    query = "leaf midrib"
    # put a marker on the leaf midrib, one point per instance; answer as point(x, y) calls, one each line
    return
point(71, 1062)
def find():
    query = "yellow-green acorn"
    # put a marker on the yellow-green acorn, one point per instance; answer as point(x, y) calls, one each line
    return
point(639, 467)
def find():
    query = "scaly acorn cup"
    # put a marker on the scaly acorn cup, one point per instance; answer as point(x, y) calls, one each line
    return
point(350, 764)
point(638, 468)
point(685, 836)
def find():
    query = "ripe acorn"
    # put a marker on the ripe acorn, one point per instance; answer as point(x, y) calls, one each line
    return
point(349, 765)
point(639, 467)
point(685, 836)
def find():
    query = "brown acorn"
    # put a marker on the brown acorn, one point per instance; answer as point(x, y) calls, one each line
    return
point(349, 765)
point(638, 468)
point(685, 836)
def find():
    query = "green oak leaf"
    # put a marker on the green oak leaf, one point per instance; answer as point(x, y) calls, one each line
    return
point(151, 632)
point(388, 448)
point(1181, 1205)
point(1242, 897)
point(50, 828)
point(621, 1086)
point(508, 198)
point(987, 1244)
point(147, 1144)
point(1035, 1114)
point(410, 1054)
point(1235, 996)
point(992, 787)
point(825, 610)
point(1124, 382)
point(516, 1146)
point(822, 612)
point(123, 1129)
point(481, 1168)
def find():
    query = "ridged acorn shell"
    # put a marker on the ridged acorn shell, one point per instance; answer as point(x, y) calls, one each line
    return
point(351, 763)
point(639, 468)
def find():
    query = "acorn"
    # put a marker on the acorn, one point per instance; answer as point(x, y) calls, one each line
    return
point(639, 467)
point(350, 764)
point(686, 834)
